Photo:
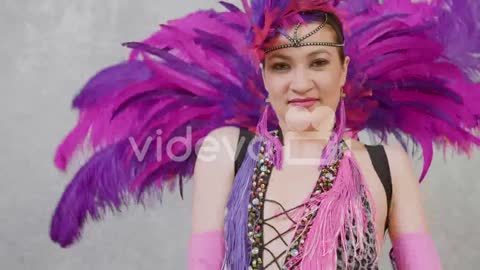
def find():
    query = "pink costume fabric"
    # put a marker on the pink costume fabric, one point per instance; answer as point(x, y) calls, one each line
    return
point(206, 250)
point(415, 251)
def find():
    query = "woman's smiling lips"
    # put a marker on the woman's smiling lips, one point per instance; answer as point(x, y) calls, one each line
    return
point(303, 102)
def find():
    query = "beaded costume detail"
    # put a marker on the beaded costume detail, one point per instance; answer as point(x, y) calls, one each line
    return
point(355, 259)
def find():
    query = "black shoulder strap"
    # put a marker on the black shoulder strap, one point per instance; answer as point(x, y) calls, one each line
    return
point(243, 141)
point(380, 163)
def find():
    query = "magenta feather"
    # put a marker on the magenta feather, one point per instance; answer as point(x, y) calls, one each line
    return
point(178, 77)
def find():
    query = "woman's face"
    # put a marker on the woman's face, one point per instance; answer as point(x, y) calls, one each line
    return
point(292, 76)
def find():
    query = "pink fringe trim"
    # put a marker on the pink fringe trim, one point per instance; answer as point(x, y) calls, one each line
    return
point(332, 146)
point(273, 146)
point(336, 211)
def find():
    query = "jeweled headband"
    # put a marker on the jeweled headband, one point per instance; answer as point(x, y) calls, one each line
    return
point(295, 41)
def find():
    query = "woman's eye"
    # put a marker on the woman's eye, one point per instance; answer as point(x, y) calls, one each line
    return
point(279, 66)
point(319, 63)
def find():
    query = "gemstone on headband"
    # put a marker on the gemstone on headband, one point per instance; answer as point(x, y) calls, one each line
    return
point(295, 41)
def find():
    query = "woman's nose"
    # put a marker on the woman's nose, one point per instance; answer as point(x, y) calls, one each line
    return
point(301, 82)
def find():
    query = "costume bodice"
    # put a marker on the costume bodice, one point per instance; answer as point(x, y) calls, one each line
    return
point(353, 258)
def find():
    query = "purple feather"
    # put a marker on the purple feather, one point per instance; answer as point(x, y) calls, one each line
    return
point(237, 243)
point(99, 185)
point(110, 81)
point(459, 31)
point(229, 6)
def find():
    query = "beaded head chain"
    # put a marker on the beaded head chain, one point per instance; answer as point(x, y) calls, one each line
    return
point(296, 41)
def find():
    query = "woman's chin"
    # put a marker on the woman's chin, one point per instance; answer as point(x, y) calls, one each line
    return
point(320, 117)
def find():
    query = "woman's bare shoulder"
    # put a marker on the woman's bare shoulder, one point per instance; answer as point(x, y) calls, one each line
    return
point(401, 165)
point(218, 147)
point(407, 213)
point(229, 133)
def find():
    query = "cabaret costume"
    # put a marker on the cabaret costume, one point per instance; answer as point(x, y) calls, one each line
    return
point(414, 74)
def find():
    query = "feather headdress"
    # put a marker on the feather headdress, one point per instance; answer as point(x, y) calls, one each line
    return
point(414, 73)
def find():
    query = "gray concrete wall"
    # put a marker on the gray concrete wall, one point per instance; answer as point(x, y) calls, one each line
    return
point(48, 51)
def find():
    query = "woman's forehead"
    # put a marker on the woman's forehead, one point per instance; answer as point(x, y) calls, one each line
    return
point(326, 34)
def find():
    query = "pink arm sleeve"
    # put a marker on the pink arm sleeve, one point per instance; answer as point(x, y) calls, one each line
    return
point(206, 251)
point(415, 251)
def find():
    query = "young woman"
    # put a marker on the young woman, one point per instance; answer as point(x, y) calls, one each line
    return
point(311, 77)
point(292, 187)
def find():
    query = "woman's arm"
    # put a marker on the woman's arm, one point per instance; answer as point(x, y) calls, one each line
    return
point(413, 247)
point(212, 181)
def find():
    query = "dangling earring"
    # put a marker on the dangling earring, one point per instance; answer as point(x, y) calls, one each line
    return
point(342, 117)
point(349, 133)
point(330, 150)
point(273, 146)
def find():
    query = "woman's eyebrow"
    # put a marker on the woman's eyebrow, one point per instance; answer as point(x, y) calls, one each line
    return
point(286, 57)
point(319, 51)
point(281, 56)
